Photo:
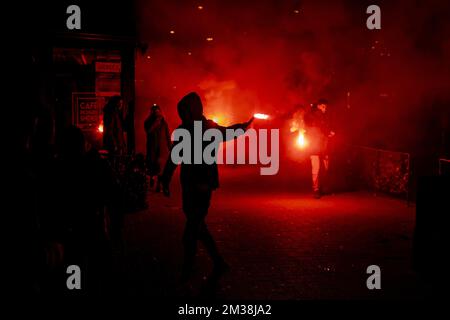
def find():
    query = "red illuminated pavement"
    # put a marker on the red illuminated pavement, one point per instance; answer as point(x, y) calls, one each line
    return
point(280, 244)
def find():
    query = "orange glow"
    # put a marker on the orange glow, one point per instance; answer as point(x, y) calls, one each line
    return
point(100, 127)
point(301, 140)
point(209, 39)
point(261, 116)
point(215, 119)
point(200, 7)
point(172, 32)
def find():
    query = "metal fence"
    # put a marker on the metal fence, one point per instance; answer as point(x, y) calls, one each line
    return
point(382, 170)
point(444, 167)
point(129, 173)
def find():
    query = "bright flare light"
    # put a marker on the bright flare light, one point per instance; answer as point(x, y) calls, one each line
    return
point(100, 127)
point(301, 141)
point(216, 118)
point(261, 116)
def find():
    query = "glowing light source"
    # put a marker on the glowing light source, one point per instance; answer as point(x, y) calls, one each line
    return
point(100, 127)
point(148, 57)
point(296, 11)
point(200, 7)
point(217, 118)
point(261, 116)
point(209, 39)
point(172, 32)
point(301, 140)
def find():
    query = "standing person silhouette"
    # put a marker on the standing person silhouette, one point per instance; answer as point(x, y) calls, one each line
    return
point(158, 144)
point(197, 183)
point(319, 132)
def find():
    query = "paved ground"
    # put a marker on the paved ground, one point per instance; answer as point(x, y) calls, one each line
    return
point(280, 244)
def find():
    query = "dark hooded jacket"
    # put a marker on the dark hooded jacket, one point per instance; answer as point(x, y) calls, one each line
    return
point(317, 131)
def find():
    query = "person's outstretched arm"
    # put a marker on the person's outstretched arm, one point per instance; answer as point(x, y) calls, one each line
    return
point(244, 126)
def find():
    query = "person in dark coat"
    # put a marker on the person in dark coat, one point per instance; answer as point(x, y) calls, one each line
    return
point(82, 186)
point(198, 181)
point(158, 144)
point(318, 131)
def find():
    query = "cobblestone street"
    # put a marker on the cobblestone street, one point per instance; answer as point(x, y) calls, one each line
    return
point(280, 245)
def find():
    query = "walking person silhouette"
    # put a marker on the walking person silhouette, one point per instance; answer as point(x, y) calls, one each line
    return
point(197, 183)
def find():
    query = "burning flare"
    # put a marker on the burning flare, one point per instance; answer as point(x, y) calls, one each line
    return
point(100, 127)
point(261, 116)
point(301, 141)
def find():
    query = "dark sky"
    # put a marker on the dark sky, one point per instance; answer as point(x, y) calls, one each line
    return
point(269, 56)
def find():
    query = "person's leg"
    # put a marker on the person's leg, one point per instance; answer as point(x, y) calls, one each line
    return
point(202, 205)
point(315, 170)
point(190, 237)
point(191, 230)
point(208, 241)
point(324, 177)
point(202, 202)
point(220, 266)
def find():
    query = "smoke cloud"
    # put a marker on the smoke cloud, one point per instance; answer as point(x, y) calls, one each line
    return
point(384, 86)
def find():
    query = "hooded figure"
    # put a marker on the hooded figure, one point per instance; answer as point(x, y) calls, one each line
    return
point(197, 183)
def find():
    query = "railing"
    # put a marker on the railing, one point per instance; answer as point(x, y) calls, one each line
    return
point(383, 170)
point(442, 162)
point(129, 173)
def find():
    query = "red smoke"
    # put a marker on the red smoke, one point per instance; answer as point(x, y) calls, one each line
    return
point(267, 56)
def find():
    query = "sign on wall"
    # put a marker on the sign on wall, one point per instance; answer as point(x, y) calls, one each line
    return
point(87, 110)
point(107, 78)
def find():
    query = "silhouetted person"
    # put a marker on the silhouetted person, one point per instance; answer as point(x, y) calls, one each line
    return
point(197, 182)
point(41, 229)
point(318, 131)
point(113, 139)
point(83, 186)
point(158, 144)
